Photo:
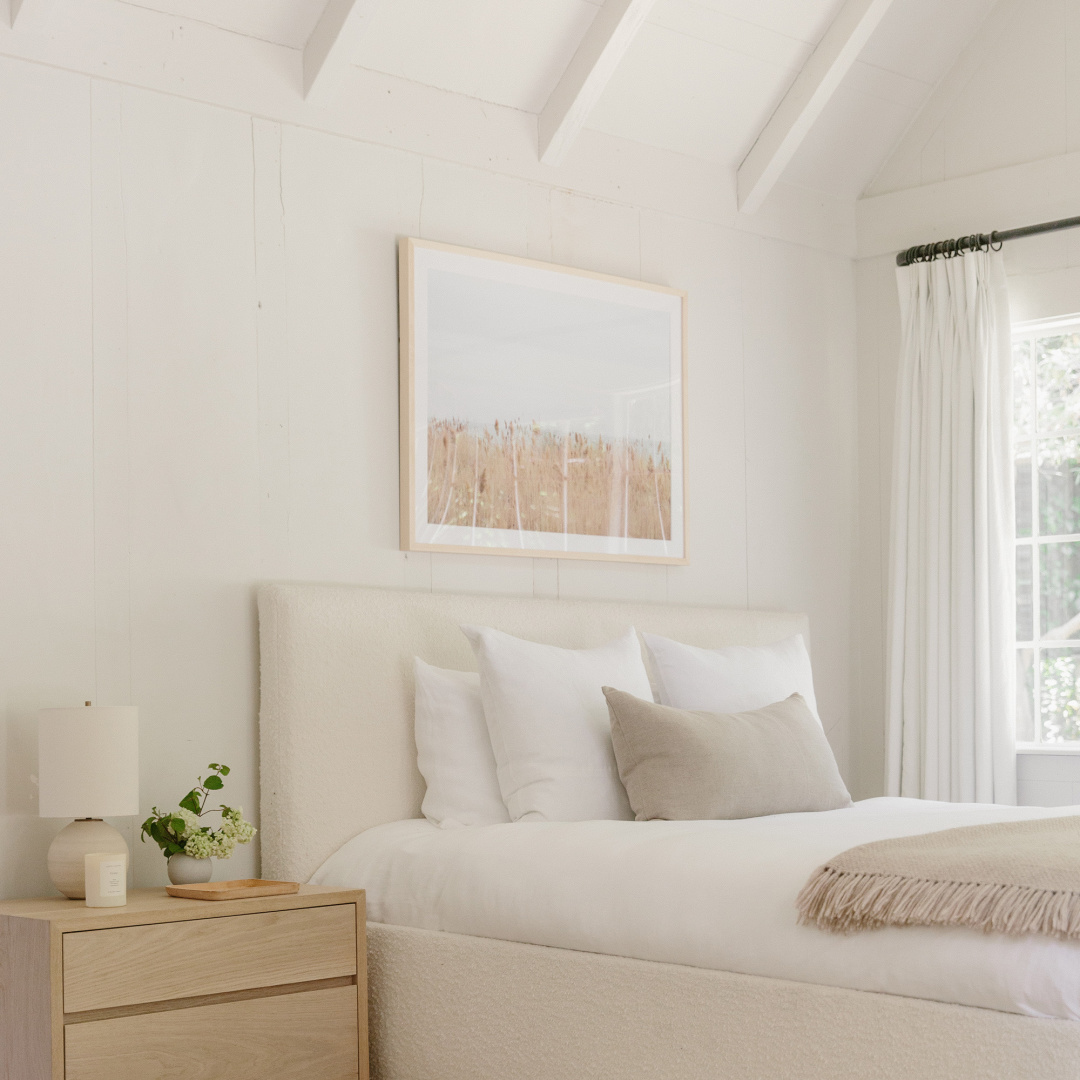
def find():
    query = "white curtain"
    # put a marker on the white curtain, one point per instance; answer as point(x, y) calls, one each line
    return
point(952, 664)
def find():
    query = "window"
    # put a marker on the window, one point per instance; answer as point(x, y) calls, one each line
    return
point(1046, 423)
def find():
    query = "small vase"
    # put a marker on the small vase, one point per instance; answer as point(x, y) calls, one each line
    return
point(184, 870)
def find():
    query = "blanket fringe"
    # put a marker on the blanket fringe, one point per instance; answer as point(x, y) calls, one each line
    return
point(844, 901)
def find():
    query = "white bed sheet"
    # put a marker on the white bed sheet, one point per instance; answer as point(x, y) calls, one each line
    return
point(711, 894)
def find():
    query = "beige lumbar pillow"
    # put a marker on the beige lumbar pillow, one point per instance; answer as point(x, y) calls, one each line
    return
point(692, 766)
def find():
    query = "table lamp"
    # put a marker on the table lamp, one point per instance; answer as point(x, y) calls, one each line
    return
point(88, 769)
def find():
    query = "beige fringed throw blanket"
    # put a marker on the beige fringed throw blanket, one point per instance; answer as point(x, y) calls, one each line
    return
point(1017, 877)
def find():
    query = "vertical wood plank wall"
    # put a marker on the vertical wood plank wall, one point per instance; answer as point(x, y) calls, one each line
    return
point(198, 314)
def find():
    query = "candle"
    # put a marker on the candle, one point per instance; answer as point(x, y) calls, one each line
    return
point(106, 879)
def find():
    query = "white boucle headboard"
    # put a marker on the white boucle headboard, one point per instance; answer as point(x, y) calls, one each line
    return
point(336, 717)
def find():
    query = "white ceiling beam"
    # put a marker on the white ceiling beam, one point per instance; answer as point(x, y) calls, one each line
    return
point(32, 14)
point(804, 102)
point(332, 45)
point(605, 43)
point(17, 6)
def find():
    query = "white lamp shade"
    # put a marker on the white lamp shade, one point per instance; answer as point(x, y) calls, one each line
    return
point(88, 762)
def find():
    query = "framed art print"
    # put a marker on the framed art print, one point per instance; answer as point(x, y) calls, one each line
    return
point(543, 409)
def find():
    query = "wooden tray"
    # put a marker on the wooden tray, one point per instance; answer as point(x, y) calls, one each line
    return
point(240, 889)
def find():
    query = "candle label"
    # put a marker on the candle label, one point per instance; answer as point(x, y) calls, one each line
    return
point(113, 878)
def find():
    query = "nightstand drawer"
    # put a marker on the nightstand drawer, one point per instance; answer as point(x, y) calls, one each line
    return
point(134, 965)
point(287, 1037)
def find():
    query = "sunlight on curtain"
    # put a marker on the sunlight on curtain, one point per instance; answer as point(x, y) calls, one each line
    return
point(952, 675)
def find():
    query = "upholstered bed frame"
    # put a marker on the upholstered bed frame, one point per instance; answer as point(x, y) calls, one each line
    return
point(337, 757)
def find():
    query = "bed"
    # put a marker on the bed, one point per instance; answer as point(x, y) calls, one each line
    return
point(556, 990)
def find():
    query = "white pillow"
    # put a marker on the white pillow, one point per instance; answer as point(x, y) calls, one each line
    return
point(453, 751)
point(740, 678)
point(549, 726)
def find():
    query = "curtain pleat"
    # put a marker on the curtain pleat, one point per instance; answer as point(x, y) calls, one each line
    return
point(951, 653)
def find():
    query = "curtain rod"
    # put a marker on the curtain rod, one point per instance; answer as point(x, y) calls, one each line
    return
point(949, 249)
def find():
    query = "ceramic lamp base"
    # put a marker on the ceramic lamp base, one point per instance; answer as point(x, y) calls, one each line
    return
point(67, 867)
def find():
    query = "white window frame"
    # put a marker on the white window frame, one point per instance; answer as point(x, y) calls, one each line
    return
point(1030, 331)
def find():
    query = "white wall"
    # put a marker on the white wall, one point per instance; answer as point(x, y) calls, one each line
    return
point(198, 391)
point(995, 148)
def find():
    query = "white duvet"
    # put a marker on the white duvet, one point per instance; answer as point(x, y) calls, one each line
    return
point(711, 894)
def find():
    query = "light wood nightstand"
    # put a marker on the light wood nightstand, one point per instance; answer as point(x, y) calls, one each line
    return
point(167, 989)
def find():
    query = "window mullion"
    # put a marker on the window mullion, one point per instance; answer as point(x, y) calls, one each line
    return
point(1036, 549)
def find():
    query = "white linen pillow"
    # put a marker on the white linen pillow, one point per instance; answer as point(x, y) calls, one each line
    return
point(737, 679)
point(548, 722)
point(453, 751)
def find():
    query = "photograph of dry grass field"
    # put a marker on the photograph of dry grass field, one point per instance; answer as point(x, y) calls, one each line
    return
point(519, 476)
point(542, 409)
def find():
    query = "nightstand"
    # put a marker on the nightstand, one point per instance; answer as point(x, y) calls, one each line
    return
point(165, 989)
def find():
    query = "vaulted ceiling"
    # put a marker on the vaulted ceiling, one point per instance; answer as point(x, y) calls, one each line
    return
point(698, 77)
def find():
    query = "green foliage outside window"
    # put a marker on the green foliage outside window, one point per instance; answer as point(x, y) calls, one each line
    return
point(1046, 388)
point(1060, 695)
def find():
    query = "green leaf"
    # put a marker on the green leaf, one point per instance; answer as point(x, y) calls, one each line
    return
point(157, 829)
point(190, 802)
point(214, 783)
point(178, 825)
point(224, 770)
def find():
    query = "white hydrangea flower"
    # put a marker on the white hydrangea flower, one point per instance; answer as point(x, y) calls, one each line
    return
point(223, 846)
point(202, 842)
point(200, 846)
point(234, 826)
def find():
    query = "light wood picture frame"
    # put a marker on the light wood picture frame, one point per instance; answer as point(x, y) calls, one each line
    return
point(543, 409)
